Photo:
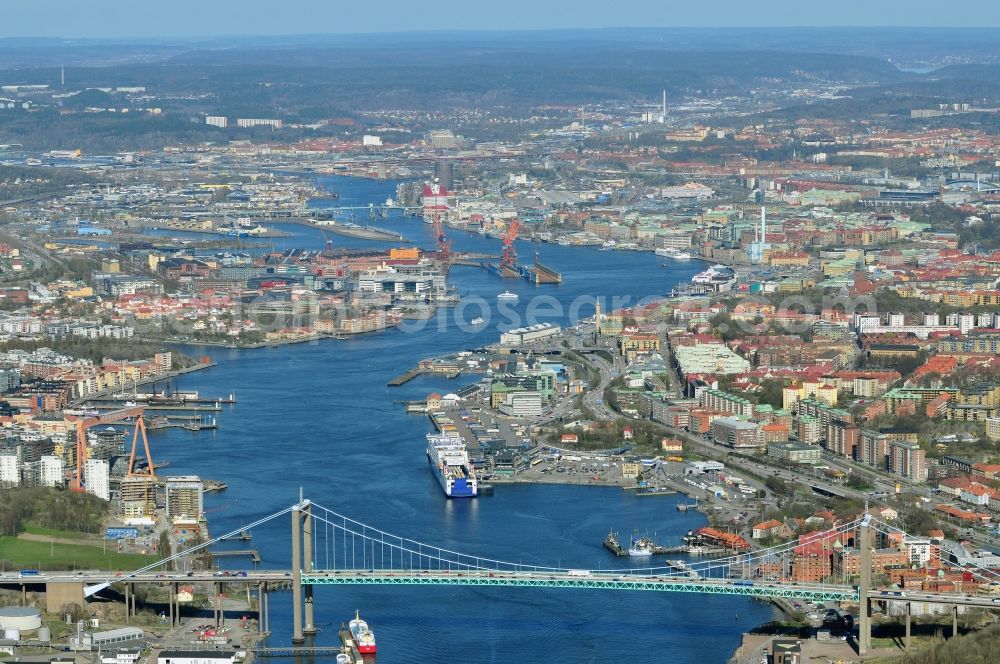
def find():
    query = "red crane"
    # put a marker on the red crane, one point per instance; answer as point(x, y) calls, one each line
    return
point(83, 423)
point(443, 243)
point(509, 256)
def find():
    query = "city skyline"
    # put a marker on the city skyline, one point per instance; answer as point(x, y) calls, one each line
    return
point(116, 19)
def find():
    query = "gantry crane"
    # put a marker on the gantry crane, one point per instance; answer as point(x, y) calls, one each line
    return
point(83, 423)
point(508, 259)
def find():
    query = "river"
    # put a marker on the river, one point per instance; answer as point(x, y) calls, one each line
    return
point(319, 417)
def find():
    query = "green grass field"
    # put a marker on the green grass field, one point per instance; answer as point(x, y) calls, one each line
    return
point(31, 555)
point(52, 532)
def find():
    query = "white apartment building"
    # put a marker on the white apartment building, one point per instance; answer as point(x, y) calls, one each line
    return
point(96, 478)
point(10, 470)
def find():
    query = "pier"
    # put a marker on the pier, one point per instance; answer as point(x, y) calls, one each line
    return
point(298, 651)
point(253, 554)
point(186, 422)
point(405, 378)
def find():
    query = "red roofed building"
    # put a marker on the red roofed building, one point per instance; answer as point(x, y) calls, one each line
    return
point(723, 539)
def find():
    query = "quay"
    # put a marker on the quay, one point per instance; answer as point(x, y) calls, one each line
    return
point(253, 554)
point(175, 399)
point(614, 545)
point(243, 535)
point(298, 651)
point(187, 422)
point(152, 407)
point(405, 378)
point(402, 379)
point(347, 642)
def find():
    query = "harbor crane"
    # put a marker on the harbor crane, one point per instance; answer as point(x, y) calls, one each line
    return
point(508, 259)
point(83, 422)
point(443, 243)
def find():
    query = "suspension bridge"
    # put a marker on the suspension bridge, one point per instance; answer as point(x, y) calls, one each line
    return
point(331, 549)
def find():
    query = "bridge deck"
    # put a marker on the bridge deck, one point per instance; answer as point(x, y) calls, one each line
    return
point(594, 580)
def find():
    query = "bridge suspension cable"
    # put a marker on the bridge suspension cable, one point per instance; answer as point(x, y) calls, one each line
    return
point(350, 544)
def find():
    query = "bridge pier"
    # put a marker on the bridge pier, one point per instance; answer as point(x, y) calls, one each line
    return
point(865, 586)
point(267, 609)
point(128, 601)
point(954, 621)
point(307, 549)
point(297, 636)
point(177, 605)
point(909, 614)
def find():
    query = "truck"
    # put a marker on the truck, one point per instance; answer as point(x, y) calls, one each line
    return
point(578, 572)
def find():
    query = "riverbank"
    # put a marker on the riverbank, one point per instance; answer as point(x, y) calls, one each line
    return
point(144, 381)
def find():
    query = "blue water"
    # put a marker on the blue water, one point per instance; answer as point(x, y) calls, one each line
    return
point(319, 416)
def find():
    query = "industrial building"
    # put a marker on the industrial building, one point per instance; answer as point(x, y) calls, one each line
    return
point(523, 335)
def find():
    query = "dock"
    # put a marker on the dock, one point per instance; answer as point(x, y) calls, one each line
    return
point(243, 536)
point(157, 408)
point(614, 545)
point(253, 554)
point(347, 641)
point(405, 378)
point(298, 651)
point(187, 422)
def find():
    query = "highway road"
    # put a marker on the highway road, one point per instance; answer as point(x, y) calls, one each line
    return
point(93, 577)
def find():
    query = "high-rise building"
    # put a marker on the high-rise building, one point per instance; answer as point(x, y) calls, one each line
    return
point(444, 171)
point(51, 471)
point(10, 470)
point(96, 478)
point(217, 121)
point(138, 496)
point(184, 497)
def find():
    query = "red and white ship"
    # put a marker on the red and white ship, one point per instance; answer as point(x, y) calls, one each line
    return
point(364, 638)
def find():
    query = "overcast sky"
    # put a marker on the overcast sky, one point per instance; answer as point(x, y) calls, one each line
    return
point(188, 18)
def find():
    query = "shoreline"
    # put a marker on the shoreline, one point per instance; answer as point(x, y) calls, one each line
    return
point(146, 381)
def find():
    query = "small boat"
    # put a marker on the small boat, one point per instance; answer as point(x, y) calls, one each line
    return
point(507, 295)
point(343, 658)
point(477, 321)
point(641, 547)
point(682, 256)
point(364, 638)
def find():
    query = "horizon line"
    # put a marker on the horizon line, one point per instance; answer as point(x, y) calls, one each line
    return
point(459, 31)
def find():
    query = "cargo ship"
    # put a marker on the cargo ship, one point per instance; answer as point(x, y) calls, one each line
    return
point(364, 638)
point(450, 464)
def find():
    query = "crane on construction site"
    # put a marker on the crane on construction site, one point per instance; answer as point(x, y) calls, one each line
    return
point(83, 423)
point(508, 259)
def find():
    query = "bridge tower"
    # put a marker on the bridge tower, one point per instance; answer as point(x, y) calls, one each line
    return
point(302, 543)
point(864, 602)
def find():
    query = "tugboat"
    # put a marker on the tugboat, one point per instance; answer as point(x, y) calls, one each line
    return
point(364, 639)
